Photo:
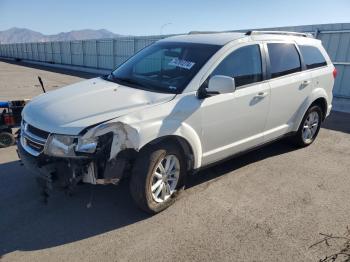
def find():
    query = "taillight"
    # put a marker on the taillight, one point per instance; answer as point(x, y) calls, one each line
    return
point(334, 73)
point(9, 119)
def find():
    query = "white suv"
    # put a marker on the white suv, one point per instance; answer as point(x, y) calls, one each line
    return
point(176, 106)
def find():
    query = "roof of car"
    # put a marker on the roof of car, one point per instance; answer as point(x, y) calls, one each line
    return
point(222, 38)
point(206, 38)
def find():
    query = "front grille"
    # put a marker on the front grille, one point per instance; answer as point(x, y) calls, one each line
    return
point(38, 132)
point(35, 146)
point(33, 139)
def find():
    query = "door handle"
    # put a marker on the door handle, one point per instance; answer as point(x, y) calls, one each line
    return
point(261, 94)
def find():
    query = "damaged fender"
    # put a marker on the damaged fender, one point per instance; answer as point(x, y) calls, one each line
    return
point(124, 136)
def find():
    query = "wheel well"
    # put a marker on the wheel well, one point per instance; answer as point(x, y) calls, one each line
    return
point(322, 103)
point(181, 143)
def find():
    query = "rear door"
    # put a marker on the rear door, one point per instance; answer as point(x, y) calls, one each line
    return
point(289, 85)
point(321, 72)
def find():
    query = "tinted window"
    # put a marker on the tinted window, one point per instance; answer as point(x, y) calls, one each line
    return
point(244, 64)
point(284, 59)
point(312, 56)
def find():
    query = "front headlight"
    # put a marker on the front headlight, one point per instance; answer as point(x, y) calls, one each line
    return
point(67, 146)
point(86, 145)
point(60, 146)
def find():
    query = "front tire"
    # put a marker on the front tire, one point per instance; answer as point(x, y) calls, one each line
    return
point(309, 127)
point(158, 177)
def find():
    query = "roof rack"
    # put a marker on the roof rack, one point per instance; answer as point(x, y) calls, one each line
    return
point(207, 32)
point(279, 33)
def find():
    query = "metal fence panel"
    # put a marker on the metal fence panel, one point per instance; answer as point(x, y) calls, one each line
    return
point(77, 53)
point(66, 53)
point(123, 49)
point(28, 49)
point(35, 51)
point(48, 52)
point(19, 50)
point(56, 53)
point(41, 51)
point(90, 56)
point(105, 54)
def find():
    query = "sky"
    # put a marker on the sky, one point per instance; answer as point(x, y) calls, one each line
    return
point(152, 17)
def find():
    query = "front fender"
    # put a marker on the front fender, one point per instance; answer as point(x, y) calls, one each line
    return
point(137, 136)
point(173, 128)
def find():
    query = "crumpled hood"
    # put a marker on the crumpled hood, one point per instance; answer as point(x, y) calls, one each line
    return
point(70, 109)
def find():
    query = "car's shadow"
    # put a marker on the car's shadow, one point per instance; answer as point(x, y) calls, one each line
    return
point(28, 224)
point(276, 148)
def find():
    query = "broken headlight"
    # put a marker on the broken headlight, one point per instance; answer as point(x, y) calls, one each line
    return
point(60, 146)
point(66, 146)
point(86, 145)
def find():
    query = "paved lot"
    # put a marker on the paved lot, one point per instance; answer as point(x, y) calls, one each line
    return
point(21, 82)
point(268, 205)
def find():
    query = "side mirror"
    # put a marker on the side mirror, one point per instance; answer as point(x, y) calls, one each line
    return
point(220, 84)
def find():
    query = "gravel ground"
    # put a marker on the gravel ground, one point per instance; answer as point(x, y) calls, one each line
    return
point(268, 205)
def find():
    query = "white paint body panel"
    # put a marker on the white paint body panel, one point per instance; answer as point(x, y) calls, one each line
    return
point(288, 94)
point(70, 109)
point(233, 122)
point(214, 127)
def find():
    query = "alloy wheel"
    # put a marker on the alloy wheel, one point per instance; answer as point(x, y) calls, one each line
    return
point(165, 178)
point(310, 127)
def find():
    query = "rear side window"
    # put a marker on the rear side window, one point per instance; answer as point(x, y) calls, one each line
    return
point(313, 57)
point(284, 59)
point(244, 64)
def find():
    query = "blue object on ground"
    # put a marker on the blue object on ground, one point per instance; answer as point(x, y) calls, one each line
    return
point(4, 104)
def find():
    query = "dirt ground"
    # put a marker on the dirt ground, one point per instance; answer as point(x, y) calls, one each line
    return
point(268, 205)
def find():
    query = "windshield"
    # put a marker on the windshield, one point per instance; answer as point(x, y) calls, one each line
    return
point(165, 67)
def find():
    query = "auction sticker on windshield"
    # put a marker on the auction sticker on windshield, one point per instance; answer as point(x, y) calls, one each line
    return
point(181, 63)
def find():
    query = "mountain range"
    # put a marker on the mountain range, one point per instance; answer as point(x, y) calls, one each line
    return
point(23, 35)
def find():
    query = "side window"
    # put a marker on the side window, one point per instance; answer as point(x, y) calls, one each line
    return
point(244, 64)
point(313, 58)
point(284, 59)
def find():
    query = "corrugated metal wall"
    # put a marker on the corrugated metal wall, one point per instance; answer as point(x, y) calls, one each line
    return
point(98, 54)
point(109, 53)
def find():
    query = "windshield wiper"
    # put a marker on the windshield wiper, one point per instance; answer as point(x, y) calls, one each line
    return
point(133, 83)
point(129, 81)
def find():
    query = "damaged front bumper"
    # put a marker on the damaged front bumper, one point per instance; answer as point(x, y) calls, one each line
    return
point(67, 172)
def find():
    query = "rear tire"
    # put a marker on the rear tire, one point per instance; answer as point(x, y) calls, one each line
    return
point(309, 127)
point(158, 177)
point(6, 139)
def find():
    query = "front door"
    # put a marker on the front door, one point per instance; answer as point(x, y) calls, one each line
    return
point(234, 122)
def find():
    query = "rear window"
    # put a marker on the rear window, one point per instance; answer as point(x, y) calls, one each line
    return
point(313, 57)
point(284, 59)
